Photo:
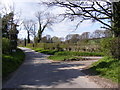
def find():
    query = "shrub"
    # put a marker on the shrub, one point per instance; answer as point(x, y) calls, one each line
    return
point(6, 45)
point(115, 48)
point(105, 46)
point(111, 47)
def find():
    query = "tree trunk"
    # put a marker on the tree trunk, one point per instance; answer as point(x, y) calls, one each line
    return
point(25, 42)
point(39, 36)
point(116, 19)
point(28, 37)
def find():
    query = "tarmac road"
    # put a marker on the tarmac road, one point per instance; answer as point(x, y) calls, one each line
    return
point(39, 72)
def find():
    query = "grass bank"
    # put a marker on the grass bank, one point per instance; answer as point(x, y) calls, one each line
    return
point(67, 53)
point(107, 67)
point(64, 55)
point(11, 62)
point(41, 50)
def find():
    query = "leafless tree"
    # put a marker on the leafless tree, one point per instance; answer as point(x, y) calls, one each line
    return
point(98, 34)
point(29, 26)
point(101, 11)
point(56, 39)
point(34, 31)
point(107, 33)
point(45, 20)
point(85, 35)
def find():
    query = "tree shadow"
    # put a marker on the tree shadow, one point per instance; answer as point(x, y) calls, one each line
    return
point(51, 74)
point(37, 72)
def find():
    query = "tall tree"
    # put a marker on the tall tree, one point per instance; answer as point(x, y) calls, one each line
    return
point(9, 29)
point(116, 18)
point(56, 39)
point(33, 31)
point(98, 34)
point(29, 26)
point(10, 22)
point(73, 38)
point(45, 20)
point(85, 35)
point(101, 11)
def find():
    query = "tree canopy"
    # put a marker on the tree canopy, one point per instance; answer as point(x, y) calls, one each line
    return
point(101, 11)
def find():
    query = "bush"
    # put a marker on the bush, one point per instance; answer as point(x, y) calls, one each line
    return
point(111, 47)
point(105, 45)
point(6, 45)
point(115, 48)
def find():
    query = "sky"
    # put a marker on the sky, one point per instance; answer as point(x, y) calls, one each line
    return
point(28, 9)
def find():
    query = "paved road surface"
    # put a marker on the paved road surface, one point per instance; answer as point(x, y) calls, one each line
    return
point(38, 72)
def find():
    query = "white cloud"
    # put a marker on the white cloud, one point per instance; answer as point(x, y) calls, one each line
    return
point(29, 7)
point(22, 34)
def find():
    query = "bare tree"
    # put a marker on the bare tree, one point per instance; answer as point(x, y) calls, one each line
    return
point(33, 31)
point(45, 20)
point(68, 37)
point(98, 34)
point(85, 35)
point(56, 39)
point(29, 27)
point(100, 11)
point(107, 33)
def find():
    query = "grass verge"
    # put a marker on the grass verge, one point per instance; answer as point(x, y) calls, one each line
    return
point(66, 58)
point(11, 62)
point(107, 67)
point(61, 56)
point(41, 50)
point(65, 53)
point(58, 58)
point(50, 52)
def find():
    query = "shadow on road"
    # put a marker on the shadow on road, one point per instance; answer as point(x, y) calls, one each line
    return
point(37, 71)
point(50, 74)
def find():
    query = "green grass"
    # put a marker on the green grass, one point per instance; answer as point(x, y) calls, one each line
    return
point(50, 52)
point(11, 62)
point(62, 58)
point(67, 53)
point(58, 58)
point(62, 55)
point(108, 68)
point(79, 53)
point(38, 49)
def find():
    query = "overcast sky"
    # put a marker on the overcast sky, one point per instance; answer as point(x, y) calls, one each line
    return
point(28, 9)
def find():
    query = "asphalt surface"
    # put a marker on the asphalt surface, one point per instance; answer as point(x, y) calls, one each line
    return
point(39, 72)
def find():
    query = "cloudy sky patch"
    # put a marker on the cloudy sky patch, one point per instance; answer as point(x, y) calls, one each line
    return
point(28, 9)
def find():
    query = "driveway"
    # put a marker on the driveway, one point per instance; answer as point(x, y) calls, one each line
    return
point(39, 72)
